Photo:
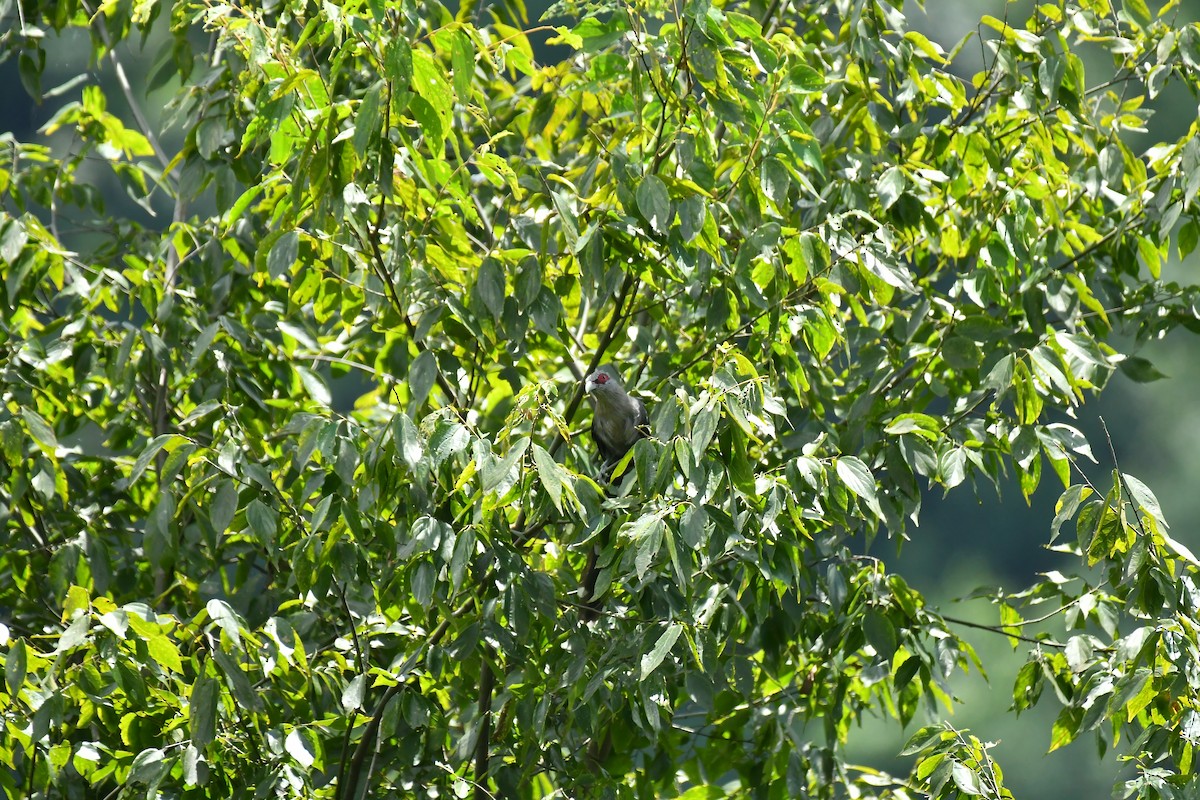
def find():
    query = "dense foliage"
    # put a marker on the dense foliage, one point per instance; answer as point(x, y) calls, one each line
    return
point(298, 499)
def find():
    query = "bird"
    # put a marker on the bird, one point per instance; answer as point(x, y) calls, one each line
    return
point(618, 420)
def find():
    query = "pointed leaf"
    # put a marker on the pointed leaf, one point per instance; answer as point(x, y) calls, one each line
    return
point(652, 660)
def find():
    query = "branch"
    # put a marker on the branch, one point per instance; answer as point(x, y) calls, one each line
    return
point(127, 89)
point(349, 781)
point(487, 681)
point(1001, 631)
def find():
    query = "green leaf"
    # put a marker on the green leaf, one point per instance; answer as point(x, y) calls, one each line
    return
point(15, 664)
point(283, 254)
point(399, 65)
point(448, 439)
point(489, 287)
point(1140, 370)
point(1189, 237)
point(497, 473)
point(1139, 8)
point(652, 660)
point(922, 425)
point(429, 81)
point(654, 203)
point(12, 240)
point(352, 695)
point(553, 476)
point(693, 212)
point(40, 430)
point(223, 507)
point(880, 633)
point(462, 60)
point(965, 779)
point(1144, 499)
point(300, 746)
point(202, 711)
point(409, 443)
point(422, 582)
point(165, 653)
point(147, 767)
point(891, 186)
point(366, 121)
point(421, 377)
point(774, 181)
point(704, 427)
point(75, 634)
point(858, 478)
point(923, 738)
point(646, 535)
point(147, 455)
point(262, 521)
point(1067, 505)
point(314, 385)
point(226, 619)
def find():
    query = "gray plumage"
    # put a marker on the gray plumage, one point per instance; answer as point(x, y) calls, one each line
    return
point(618, 420)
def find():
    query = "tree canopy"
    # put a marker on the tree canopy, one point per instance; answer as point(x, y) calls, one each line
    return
point(298, 499)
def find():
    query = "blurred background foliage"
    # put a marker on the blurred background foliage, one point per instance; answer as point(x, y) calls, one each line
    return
point(964, 541)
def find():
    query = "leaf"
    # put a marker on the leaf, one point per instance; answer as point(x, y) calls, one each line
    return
point(300, 748)
point(409, 443)
point(692, 213)
point(858, 478)
point(462, 62)
point(421, 376)
point(1140, 370)
point(553, 476)
point(646, 535)
point(774, 181)
point(448, 438)
point(40, 430)
point(147, 766)
point(15, 665)
point(429, 81)
point(399, 65)
point(704, 426)
point(223, 507)
point(965, 779)
point(1144, 499)
point(922, 425)
point(366, 121)
point(262, 521)
point(489, 287)
point(654, 203)
point(923, 738)
point(566, 37)
point(314, 385)
point(226, 619)
point(165, 653)
point(243, 693)
point(283, 254)
point(495, 473)
point(1067, 505)
point(652, 660)
point(75, 634)
point(352, 695)
point(880, 633)
point(567, 218)
point(202, 711)
point(891, 186)
point(422, 581)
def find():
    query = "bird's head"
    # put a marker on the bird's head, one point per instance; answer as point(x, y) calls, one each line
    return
point(603, 381)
